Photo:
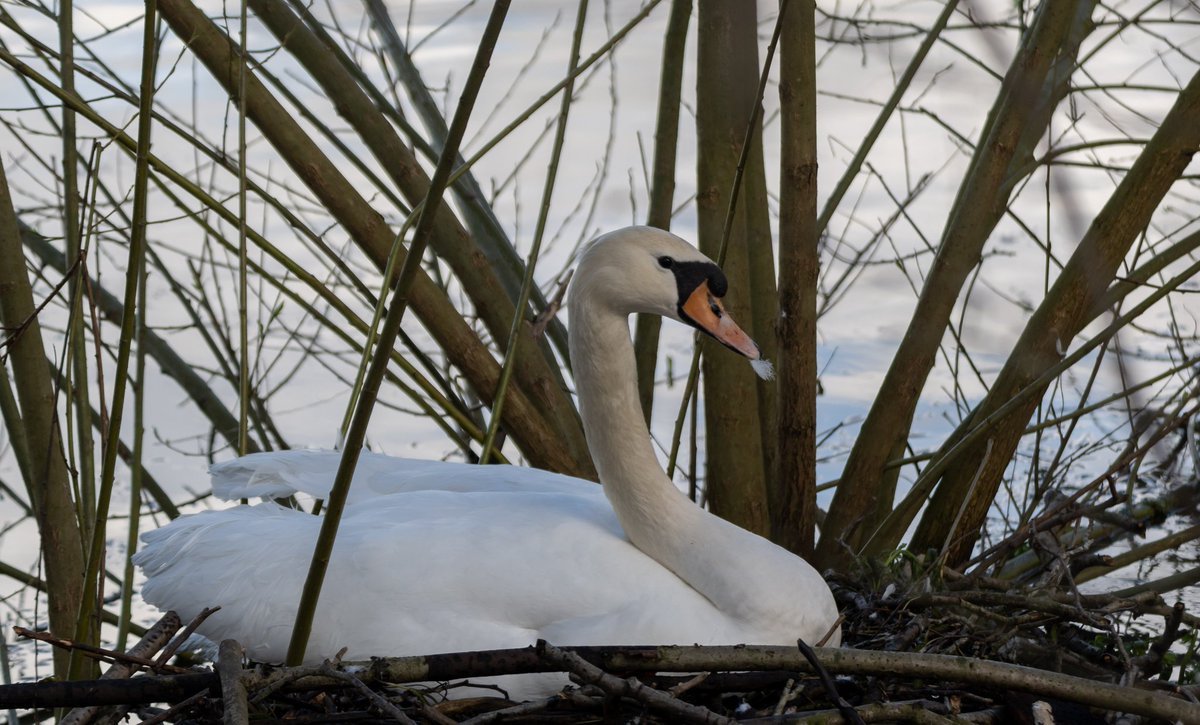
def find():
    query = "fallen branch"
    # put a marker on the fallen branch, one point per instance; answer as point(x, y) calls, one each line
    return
point(1151, 662)
point(380, 702)
point(843, 661)
point(175, 709)
point(81, 693)
point(1028, 602)
point(845, 708)
point(914, 711)
point(180, 638)
point(524, 709)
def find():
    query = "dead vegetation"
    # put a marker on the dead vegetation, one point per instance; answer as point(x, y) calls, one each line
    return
point(914, 654)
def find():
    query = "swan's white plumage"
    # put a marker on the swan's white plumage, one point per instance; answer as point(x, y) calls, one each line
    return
point(441, 557)
point(579, 540)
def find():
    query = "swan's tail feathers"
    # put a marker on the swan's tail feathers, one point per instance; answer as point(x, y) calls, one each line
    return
point(224, 559)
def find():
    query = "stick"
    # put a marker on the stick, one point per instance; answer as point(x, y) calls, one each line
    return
point(233, 689)
point(137, 657)
point(119, 659)
point(830, 686)
point(176, 643)
point(652, 698)
point(376, 699)
point(967, 670)
point(175, 709)
point(527, 708)
point(80, 693)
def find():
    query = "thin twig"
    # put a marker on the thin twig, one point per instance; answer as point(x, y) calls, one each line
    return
point(830, 686)
point(170, 650)
point(376, 699)
point(94, 652)
point(552, 308)
point(356, 435)
point(652, 698)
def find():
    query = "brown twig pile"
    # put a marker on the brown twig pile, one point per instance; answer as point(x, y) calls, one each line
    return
point(916, 654)
point(990, 618)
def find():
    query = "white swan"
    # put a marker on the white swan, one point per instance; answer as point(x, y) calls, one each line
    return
point(439, 557)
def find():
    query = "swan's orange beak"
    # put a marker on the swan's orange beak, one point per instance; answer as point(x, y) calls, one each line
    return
point(704, 310)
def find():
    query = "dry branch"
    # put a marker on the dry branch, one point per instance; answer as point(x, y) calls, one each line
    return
point(368, 229)
point(233, 686)
point(1061, 315)
point(138, 656)
point(828, 683)
point(377, 700)
point(83, 693)
point(866, 484)
point(843, 661)
point(481, 281)
point(50, 486)
point(124, 663)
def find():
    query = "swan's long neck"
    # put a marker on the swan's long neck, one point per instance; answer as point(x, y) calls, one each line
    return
point(699, 547)
point(606, 381)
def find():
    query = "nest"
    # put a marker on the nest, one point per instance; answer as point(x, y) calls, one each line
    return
point(921, 644)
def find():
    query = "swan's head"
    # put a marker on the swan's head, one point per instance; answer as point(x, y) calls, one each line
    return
point(648, 270)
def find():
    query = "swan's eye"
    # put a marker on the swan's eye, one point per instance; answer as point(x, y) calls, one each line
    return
point(715, 308)
point(666, 262)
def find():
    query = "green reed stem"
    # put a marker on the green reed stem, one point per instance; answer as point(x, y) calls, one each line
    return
point(137, 471)
point(243, 291)
point(560, 133)
point(356, 435)
point(137, 245)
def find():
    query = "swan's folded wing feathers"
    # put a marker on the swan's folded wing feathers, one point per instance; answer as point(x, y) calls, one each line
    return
point(438, 567)
point(278, 474)
point(274, 474)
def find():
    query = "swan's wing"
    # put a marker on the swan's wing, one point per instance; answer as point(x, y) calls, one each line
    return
point(278, 474)
point(425, 572)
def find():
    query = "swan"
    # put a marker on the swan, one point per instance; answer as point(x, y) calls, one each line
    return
point(441, 557)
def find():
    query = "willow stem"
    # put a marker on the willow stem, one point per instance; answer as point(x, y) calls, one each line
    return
point(356, 435)
point(518, 319)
